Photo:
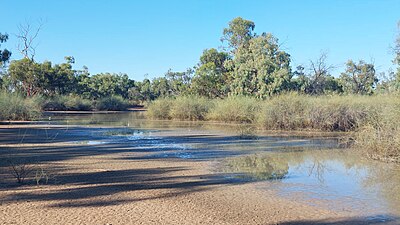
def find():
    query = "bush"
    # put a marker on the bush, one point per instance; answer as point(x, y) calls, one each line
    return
point(112, 103)
point(160, 108)
point(190, 108)
point(14, 106)
point(239, 109)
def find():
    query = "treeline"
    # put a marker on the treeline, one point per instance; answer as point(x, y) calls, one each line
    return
point(250, 64)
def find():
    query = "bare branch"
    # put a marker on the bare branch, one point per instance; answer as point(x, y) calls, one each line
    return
point(27, 36)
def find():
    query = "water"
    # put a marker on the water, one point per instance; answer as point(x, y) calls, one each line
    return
point(312, 170)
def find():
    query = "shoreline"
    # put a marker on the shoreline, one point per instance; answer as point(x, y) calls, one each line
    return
point(118, 183)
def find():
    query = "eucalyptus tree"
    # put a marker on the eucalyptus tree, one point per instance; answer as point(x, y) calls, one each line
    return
point(4, 56)
point(210, 78)
point(259, 68)
point(238, 33)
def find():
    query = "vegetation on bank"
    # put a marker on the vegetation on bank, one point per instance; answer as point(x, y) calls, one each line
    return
point(14, 106)
point(373, 122)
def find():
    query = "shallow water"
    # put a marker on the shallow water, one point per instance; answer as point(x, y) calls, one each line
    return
point(313, 170)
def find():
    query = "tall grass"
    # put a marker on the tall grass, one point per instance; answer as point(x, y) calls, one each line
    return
point(190, 108)
point(160, 108)
point(379, 137)
point(239, 109)
point(14, 106)
point(181, 108)
point(112, 103)
point(325, 113)
point(67, 103)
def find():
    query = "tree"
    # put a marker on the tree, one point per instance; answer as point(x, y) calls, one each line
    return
point(359, 78)
point(210, 77)
point(107, 84)
point(160, 87)
point(4, 54)
point(259, 68)
point(239, 32)
point(319, 81)
point(179, 81)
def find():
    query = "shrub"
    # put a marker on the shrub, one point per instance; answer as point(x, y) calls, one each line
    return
point(240, 109)
point(160, 108)
point(14, 106)
point(190, 108)
point(112, 103)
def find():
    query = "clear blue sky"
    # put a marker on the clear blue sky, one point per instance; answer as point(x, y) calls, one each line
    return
point(149, 37)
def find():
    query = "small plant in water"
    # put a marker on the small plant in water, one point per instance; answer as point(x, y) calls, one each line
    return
point(41, 176)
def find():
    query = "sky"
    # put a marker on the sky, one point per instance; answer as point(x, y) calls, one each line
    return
point(146, 38)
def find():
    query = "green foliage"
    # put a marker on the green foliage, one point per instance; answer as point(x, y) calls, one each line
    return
point(160, 87)
point(239, 109)
point(359, 78)
point(179, 81)
point(106, 84)
point(4, 54)
point(239, 32)
point(14, 106)
point(260, 68)
point(112, 103)
point(33, 78)
point(210, 77)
